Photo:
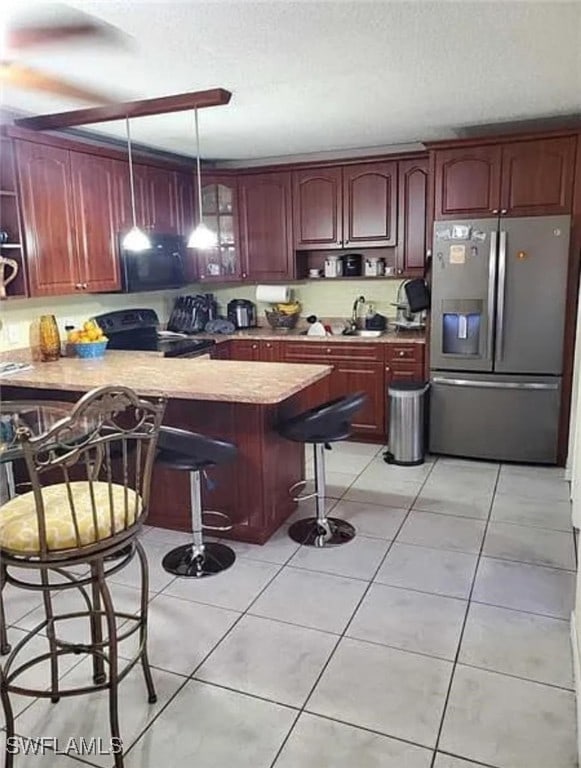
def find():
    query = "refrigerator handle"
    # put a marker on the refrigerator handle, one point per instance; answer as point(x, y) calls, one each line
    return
point(501, 295)
point(487, 384)
point(491, 289)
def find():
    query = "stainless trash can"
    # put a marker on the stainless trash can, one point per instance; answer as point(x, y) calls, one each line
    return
point(406, 444)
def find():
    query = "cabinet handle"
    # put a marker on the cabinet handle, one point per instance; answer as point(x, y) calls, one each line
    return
point(77, 286)
point(255, 346)
point(244, 274)
point(85, 285)
point(202, 277)
point(268, 346)
point(328, 350)
point(504, 211)
point(400, 271)
point(401, 353)
point(387, 368)
point(495, 210)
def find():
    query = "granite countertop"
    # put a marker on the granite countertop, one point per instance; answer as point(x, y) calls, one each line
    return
point(268, 334)
point(188, 379)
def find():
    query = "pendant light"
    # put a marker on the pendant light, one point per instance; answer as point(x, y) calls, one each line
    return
point(202, 236)
point(135, 239)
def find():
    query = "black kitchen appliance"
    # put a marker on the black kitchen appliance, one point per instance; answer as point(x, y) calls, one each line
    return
point(191, 314)
point(352, 265)
point(155, 269)
point(138, 329)
point(242, 313)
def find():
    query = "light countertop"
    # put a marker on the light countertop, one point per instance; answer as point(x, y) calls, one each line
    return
point(183, 378)
point(268, 334)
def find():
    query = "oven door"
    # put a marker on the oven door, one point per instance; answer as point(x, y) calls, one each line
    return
point(157, 268)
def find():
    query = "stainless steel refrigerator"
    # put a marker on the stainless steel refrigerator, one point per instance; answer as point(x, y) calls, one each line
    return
point(497, 323)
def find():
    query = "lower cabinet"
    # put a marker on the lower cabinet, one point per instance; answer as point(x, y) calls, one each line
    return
point(362, 367)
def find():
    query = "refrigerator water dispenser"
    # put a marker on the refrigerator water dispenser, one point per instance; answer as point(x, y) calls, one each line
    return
point(461, 327)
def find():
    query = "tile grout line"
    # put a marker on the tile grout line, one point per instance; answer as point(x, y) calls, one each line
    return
point(348, 624)
point(462, 631)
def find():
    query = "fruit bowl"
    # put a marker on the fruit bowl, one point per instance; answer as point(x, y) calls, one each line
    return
point(91, 349)
point(280, 320)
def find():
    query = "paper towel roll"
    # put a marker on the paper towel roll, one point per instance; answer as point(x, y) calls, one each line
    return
point(273, 294)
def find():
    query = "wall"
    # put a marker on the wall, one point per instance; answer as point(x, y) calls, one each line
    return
point(17, 314)
point(324, 298)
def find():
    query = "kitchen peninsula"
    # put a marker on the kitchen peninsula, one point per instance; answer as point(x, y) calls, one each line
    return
point(232, 400)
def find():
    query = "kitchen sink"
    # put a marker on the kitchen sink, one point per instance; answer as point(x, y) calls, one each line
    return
point(368, 334)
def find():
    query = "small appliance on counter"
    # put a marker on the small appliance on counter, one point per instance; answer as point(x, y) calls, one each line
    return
point(333, 266)
point(316, 327)
point(242, 313)
point(191, 314)
point(374, 266)
point(352, 265)
point(406, 319)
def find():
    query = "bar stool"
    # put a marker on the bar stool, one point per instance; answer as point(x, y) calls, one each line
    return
point(191, 452)
point(328, 423)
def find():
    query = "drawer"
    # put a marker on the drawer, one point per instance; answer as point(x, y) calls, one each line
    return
point(406, 353)
point(321, 351)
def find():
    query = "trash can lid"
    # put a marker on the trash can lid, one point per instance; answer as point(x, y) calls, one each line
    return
point(403, 388)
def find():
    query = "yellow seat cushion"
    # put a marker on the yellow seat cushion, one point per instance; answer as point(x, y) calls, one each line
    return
point(19, 522)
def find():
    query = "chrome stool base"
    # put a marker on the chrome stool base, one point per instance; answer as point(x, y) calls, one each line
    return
point(215, 559)
point(312, 533)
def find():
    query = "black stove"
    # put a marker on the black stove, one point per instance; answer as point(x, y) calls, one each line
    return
point(138, 329)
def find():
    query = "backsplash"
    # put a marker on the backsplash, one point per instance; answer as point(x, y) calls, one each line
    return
point(325, 299)
point(18, 314)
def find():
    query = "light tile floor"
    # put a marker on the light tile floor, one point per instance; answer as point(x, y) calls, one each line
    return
point(438, 638)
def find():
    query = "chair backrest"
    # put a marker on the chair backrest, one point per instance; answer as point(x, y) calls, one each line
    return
point(105, 447)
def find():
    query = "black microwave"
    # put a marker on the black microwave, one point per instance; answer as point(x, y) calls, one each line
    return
point(155, 269)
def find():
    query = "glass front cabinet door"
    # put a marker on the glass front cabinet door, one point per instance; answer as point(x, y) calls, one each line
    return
point(219, 207)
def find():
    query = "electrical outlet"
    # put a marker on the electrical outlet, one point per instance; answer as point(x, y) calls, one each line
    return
point(68, 321)
point(11, 334)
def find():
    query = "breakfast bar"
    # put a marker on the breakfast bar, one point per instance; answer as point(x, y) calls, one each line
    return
point(241, 402)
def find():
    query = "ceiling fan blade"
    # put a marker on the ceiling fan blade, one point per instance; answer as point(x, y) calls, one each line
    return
point(20, 76)
point(29, 36)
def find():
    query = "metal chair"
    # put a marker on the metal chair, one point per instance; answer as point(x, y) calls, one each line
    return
point(327, 423)
point(191, 452)
point(90, 476)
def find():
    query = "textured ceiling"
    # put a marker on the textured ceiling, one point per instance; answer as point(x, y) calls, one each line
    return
point(313, 77)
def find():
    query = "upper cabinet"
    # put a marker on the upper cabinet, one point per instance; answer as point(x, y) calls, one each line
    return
point(97, 188)
point(12, 241)
point(318, 208)
point(74, 206)
point(521, 178)
point(266, 226)
point(370, 204)
point(48, 214)
point(537, 177)
point(412, 217)
point(467, 182)
point(345, 206)
point(220, 211)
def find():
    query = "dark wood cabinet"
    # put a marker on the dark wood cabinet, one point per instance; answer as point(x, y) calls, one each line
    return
point(97, 188)
point(520, 178)
point(245, 349)
point(318, 208)
point(48, 217)
point(10, 219)
point(355, 376)
point(537, 177)
point(370, 204)
point(412, 217)
point(222, 351)
point(270, 351)
point(220, 209)
point(468, 182)
point(266, 226)
point(156, 197)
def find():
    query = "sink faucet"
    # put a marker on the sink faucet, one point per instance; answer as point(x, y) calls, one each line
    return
point(359, 300)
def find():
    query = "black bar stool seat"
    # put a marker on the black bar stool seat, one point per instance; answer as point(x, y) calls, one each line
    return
point(191, 452)
point(327, 423)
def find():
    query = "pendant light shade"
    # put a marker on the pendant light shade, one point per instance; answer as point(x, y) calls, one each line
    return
point(135, 239)
point(202, 236)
